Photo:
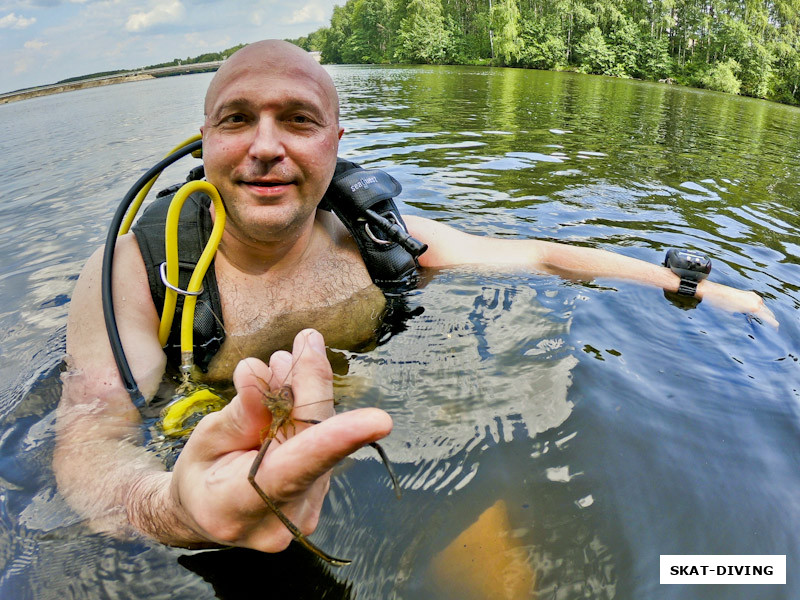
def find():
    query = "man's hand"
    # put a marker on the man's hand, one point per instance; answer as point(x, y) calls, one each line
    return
point(733, 300)
point(209, 487)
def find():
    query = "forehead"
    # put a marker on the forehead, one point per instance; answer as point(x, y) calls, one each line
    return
point(264, 83)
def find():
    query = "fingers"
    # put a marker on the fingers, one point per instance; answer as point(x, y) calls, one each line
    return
point(280, 363)
point(238, 426)
point(740, 301)
point(767, 316)
point(211, 473)
point(247, 411)
point(300, 461)
point(312, 377)
point(308, 354)
point(753, 304)
point(312, 382)
point(762, 312)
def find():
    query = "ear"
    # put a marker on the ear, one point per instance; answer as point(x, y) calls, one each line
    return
point(341, 132)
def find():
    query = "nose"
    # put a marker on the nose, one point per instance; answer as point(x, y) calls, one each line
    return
point(267, 144)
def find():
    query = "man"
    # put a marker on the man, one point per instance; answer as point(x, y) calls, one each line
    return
point(270, 142)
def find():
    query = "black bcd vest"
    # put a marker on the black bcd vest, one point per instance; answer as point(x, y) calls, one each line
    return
point(353, 194)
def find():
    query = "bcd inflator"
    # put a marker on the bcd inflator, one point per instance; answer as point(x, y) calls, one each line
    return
point(364, 201)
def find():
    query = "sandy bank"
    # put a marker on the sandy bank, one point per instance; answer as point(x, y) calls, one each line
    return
point(68, 87)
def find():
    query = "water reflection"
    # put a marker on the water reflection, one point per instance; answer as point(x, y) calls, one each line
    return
point(612, 425)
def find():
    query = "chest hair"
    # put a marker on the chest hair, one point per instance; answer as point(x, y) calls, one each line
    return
point(332, 292)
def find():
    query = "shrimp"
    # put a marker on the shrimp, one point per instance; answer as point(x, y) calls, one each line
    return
point(281, 404)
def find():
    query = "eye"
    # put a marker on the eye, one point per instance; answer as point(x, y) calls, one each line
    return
point(303, 119)
point(228, 119)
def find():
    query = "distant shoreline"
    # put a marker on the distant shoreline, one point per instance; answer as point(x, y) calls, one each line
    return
point(58, 88)
point(69, 87)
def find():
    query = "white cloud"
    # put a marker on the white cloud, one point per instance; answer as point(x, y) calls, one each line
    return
point(12, 21)
point(166, 12)
point(310, 13)
point(91, 36)
point(202, 41)
point(35, 44)
point(22, 65)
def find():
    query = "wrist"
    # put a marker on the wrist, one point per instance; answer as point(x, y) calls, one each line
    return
point(154, 510)
point(690, 268)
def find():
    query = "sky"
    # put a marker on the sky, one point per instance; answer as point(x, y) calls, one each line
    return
point(44, 41)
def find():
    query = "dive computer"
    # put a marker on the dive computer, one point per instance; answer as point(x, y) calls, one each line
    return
point(690, 267)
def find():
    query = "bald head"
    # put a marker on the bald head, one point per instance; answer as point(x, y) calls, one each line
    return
point(270, 140)
point(272, 57)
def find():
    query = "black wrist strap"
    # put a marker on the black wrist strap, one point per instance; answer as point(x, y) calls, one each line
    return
point(688, 287)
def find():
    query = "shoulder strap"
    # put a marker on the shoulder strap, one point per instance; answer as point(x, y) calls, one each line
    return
point(364, 201)
point(362, 198)
point(193, 232)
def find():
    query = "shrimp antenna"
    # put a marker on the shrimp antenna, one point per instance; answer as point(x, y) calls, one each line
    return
point(281, 404)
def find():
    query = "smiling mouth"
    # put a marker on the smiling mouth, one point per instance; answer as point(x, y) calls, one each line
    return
point(267, 184)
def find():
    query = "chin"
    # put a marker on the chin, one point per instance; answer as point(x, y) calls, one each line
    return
point(275, 225)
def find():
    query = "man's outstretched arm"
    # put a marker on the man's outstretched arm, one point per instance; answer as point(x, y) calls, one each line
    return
point(448, 246)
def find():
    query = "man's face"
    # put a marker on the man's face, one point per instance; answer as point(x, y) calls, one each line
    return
point(270, 141)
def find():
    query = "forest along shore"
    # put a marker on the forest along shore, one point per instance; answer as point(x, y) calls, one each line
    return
point(70, 86)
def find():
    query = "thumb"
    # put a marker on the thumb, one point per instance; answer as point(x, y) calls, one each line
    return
point(240, 424)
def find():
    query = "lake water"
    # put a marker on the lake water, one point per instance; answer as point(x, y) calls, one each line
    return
point(614, 425)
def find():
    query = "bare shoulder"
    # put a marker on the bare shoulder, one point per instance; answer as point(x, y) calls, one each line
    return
point(335, 228)
point(130, 277)
point(343, 248)
point(137, 320)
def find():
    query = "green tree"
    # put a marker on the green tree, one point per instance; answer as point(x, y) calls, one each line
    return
point(757, 73)
point(654, 61)
point(370, 36)
point(576, 21)
point(742, 46)
point(338, 34)
point(541, 49)
point(423, 36)
point(722, 77)
point(624, 42)
point(786, 85)
point(594, 54)
point(505, 24)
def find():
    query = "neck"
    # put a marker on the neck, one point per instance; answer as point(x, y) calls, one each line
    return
point(257, 257)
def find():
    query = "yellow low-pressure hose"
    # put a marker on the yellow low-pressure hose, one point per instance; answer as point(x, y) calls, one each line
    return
point(192, 400)
point(137, 203)
point(196, 281)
